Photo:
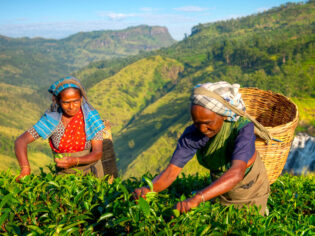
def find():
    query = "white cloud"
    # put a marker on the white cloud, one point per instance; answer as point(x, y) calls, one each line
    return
point(119, 16)
point(191, 9)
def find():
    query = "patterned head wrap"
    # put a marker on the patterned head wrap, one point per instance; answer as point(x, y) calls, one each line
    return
point(64, 83)
point(225, 90)
point(49, 121)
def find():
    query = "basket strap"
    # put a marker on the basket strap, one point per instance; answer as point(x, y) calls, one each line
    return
point(260, 130)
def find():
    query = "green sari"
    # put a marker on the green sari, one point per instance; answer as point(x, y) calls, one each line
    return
point(216, 156)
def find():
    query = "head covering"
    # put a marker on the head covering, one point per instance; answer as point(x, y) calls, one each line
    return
point(64, 83)
point(227, 91)
point(51, 118)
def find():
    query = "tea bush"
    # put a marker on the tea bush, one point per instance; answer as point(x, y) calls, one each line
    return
point(83, 205)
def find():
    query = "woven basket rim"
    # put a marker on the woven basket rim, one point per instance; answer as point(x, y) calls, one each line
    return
point(290, 124)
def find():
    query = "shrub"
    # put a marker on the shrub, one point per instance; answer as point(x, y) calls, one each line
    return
point(83, 205)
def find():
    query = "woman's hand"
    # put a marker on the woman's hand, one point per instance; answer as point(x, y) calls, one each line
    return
point(140, 192)
point(189, 203)
point(67, 162)
point(160, 182)
point(24, 172)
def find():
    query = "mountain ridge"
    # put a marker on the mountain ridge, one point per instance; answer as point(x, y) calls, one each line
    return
point(37, 61)
point(146, 97)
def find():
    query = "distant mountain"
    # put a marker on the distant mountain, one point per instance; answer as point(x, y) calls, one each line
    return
point(146, 97)
point(37, 62)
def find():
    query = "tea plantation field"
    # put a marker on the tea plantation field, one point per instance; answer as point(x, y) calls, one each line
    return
point(47, 204)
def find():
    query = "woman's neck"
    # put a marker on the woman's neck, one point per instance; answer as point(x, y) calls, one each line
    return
point(66, 120)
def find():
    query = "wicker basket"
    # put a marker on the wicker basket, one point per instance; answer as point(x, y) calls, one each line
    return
point(109, 158)
point(280, 116)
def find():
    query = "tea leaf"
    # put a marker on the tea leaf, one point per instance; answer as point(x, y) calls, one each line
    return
point(105, 216)
point(144, 206)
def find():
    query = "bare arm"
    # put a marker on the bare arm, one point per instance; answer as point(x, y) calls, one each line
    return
point(20, 147)
point(93, 156)
point(166, 178)
point(160, 182)
point(226, 182)
point(222, 185)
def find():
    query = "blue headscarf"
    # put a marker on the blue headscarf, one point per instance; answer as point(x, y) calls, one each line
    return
point(52, 117)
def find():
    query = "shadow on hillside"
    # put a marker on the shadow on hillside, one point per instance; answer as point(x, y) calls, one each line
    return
point(145, 130)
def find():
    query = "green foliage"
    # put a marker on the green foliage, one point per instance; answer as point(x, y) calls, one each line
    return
point(306, 114)
point(76, 205)
point(271, 50)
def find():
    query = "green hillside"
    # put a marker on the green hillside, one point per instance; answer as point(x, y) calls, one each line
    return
point(121, 97)
point(272, 50)
point(306, 114)
point(20, 109)
point(36, 62)
point(146, 97)
point(39, 152)
point(20, 106)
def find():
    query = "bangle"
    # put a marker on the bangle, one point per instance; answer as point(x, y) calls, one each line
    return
point(202, 197)
point(27, 166)
point(78, 159)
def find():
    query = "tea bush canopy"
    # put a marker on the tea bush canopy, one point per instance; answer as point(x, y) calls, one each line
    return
point(74, 205)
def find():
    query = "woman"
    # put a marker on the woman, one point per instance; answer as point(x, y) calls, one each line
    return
point(73, 127)
point(225, 144)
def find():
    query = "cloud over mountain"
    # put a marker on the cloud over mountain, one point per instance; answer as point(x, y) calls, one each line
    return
point(191, 9)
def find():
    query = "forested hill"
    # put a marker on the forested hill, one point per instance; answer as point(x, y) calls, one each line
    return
point(264, 50)
point(148, 99)
point(36, 62)
point(272, 50)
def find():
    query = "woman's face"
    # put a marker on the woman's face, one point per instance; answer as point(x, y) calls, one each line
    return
point(208, 122)
point(70, 101)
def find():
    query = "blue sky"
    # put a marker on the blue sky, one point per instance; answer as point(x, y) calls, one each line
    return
point(59, 19)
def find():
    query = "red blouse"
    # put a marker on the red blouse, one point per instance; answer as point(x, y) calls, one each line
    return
point(73, 139)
